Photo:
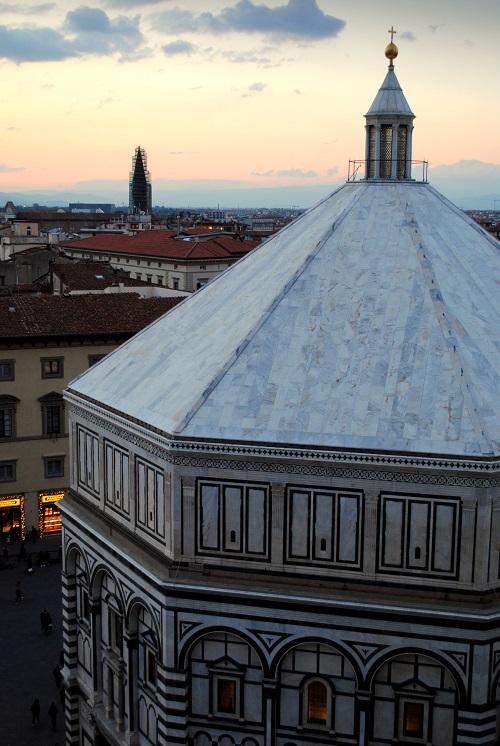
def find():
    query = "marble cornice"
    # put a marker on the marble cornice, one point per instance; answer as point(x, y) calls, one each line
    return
point(289, 460)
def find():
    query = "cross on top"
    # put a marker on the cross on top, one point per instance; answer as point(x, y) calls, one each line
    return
point(392, 32)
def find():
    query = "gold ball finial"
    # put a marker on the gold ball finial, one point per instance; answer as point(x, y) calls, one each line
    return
point(391, 50)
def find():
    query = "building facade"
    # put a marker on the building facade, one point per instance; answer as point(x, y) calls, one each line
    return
point(282, 524)
point(158, 257)
point(45, 341)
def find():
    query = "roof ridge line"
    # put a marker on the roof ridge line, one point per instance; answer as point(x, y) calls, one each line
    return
point(262, 319)
point(445, 319)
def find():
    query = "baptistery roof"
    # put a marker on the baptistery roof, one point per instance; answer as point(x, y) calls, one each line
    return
point(371, 323)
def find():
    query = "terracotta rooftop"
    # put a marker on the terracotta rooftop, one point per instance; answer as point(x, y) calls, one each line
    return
point(162, 244)
point(91, 276)
point(79, 315)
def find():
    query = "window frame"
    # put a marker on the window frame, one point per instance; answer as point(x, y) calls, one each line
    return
point(11, 363)
point(149, 657)
point(47, 362)
point(4, 464)
point(93, 359)
point(422, 696)
point(50, 405)
point(227, 670)
point(115, 631)
point(306, 722)
point(47, 460)
point(8, 407)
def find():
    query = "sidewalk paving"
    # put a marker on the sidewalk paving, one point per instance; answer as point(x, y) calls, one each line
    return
point(27, 656)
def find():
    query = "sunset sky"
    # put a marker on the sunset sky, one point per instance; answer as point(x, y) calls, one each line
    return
point(266, 93)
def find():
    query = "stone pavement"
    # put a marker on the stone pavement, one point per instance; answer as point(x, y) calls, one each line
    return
point(27, 656)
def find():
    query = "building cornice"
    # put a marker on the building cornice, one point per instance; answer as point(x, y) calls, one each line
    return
point(291, 460)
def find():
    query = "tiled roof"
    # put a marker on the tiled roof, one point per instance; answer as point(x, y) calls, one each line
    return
point(91, 276)
point(162, 244)
point(81, 315)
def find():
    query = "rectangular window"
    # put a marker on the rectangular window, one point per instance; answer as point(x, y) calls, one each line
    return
point(150, 667)
point(176, 284)
point(233, 519)
point(54, 466)
point(84, 604)
point(88, 461)
point(115, 631)
point(413, 719)
point(93, 359)
point(116, 471)
point(150, 494)
point(52, 367)
point(52, 419)
point(418, 535)
point(324, 527)
point(226, 696)
point(7, 471)
point(159, 280)
point(6, 370)
point(6, 422)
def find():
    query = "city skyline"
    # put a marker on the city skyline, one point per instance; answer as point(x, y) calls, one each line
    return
point(240, 95)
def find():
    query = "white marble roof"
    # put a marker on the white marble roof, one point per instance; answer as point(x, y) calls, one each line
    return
point(372, 322)
point(390, 99)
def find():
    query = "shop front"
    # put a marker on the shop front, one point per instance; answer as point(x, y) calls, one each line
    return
point(12, 518)
point(49, 512)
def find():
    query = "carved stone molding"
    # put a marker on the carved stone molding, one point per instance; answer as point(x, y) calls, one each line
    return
point(297, 458)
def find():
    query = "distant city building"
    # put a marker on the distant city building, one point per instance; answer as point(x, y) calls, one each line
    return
point(160, 258)
point(76, 207)
point(45, 341)
point(140, 195)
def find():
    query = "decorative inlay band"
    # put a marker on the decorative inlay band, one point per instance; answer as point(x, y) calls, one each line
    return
point(350, 472)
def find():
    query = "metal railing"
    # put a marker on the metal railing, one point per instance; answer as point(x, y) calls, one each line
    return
point(360, 169)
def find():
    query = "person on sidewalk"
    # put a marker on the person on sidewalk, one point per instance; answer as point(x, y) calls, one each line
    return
point(35, 713)
point(22, 553)
point(53, 715)
point(19, 594)
point(46, 621)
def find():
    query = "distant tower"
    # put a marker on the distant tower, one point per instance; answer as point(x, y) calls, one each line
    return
point(140, 197)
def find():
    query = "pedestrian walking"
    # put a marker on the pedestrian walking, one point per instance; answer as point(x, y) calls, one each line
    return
point(33, 534)
point(35, 713)
point(56, 673)
point(29, 564)
point(22, 553)
point(53, 715)
point(19, 594)
point(6, 553)
point(46, 621)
